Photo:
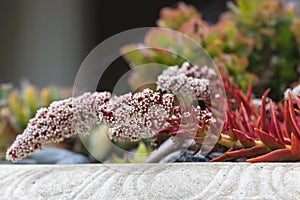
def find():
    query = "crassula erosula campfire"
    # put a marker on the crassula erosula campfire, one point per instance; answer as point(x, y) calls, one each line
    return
point(254, 130)
point(131, 116)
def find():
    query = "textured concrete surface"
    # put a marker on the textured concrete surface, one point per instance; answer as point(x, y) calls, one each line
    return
point(151, 181)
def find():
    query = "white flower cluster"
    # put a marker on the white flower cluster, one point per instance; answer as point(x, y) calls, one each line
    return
point(61, 120)
point(191, 71)
point(139, 115)
point(204, 115)
point(130, 116)
point(186, 81)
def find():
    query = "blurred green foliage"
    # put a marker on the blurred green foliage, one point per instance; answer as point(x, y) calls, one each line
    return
point(257, 42)
point(275, 54)
point(140, 155)
point(18, 106)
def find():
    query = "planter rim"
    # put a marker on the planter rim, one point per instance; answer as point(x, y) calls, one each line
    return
point(222, 180)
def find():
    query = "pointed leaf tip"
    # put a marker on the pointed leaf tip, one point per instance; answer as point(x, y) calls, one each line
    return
point(263, 112)
point(245, 140)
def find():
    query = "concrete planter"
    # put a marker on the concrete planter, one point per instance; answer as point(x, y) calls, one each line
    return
point(151, 181)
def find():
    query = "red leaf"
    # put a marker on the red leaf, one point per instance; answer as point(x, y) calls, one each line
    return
point(230, 124)
point(222, 157)
point(250, 152)
point(263, 112)
point(275, 156)
point(244, 101)
point(245, 140)
point(247, 121)
point(280, 109)
point(297, 101)
point(249, 93)
point(269, 140)
point(293, 117)
point(277, 132)
point(287, 119)
point(295, 146)
point(239, 121)
point(257, 122)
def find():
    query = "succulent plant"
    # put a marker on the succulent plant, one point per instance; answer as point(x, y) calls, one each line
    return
point(256, 43)
point(261, 132)
point(223, 42)
point(144, 114)
point(174, 18)
point(256, 40)
point(272, 26)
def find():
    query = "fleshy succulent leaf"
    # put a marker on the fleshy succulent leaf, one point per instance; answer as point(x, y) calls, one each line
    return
point(270, 141)
point(297, 99)
point(161, 38)
point(275, 156)
point(249, 152)
point(245, 140)
point(263, 112)
point(287, 118)
point(292, 116)
point(247, 121)
point(275, 124)
point(295, 150)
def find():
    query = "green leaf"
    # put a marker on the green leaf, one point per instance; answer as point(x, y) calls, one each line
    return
point(16, 107)
point(141, 154)
point(31, 100)
point(4, 90)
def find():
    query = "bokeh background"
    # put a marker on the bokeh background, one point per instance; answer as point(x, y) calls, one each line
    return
point(45, 41)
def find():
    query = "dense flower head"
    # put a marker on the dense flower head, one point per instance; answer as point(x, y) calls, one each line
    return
point(186, 81)
point(130, 116)
point(61, 120)
point(203, 115)
point(139, 115)
point(86, 110)
point(191, 71)
point(145, 114)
